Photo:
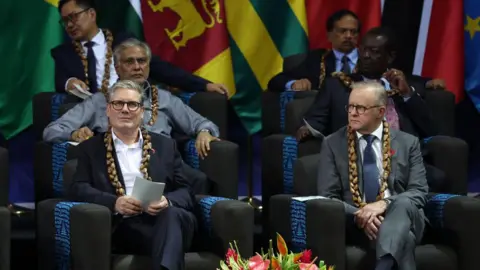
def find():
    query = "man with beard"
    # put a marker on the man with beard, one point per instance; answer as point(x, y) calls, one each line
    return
point(343, 27)
point(87, 61)
point(163, 113)
point(406, 109)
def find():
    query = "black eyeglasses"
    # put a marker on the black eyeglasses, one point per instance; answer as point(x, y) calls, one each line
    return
point(73, 17)
point(359, 108)
point(132, 106)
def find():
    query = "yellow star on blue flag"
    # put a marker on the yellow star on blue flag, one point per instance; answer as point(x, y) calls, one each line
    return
point(472, 50)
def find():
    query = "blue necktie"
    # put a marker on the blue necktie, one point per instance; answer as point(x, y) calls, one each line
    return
point(92, 67)
point(345, 65)
point(370, 171)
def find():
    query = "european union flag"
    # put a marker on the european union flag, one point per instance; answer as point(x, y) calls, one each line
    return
point(472, 50)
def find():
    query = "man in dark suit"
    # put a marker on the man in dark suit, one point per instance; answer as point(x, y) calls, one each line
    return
point(88, 61)
point(108, 165)
point(407, 110)
point(343, 27)
point(382, 184)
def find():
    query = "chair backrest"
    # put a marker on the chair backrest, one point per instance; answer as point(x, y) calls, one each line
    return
point(68, 171)
point(4, 176)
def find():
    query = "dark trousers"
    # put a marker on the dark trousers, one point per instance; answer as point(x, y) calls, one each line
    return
point(400, 232)
point(198, 179)
point(165, 237)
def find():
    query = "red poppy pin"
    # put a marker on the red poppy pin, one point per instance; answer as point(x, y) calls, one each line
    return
point(392, 152)
point(152, 150)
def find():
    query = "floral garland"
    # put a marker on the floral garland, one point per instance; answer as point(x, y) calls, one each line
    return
point(108, 62)
point(154, 106)
point(353, 168)
point(112, 169)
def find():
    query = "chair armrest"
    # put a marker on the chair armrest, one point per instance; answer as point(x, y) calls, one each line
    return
point(442, 107)
point(4, 176)
point(224, 220)
point(5, 233)
point(450, 155)
point(220, 166)
point(73, 232)
point(459, 217)
point(213, 106)
point(313, 224)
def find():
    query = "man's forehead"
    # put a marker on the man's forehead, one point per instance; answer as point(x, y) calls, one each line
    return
point(374, 40)
point(132, 52)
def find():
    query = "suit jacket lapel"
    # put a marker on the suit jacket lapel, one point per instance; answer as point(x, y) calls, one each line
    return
point(393, 161)
point(155, 166)
point(117, 166)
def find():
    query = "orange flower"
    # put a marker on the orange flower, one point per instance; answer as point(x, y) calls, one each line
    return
point(297, 257)
point(275, 264)
point(281, 245)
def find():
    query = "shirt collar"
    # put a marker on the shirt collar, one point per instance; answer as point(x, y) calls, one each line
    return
point(98, 39)
point(352, 56)
point(378, 133)
point(119, 143)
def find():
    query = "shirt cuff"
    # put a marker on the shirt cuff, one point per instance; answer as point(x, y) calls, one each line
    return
point(67, 84)
point(289, 85)
point(405, 99)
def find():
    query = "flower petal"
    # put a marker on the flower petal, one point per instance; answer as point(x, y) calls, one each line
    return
point(281, 245)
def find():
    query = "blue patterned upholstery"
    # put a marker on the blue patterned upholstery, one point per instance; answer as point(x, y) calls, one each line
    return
point(62, 234)
point(285, 98)
point(206, 205)
point(56, 101)
point(59, 157)
point(298, 224)
point(426, 140)
point(185, 97)
point(289, 157)
point(191, 155)
point(434, 209)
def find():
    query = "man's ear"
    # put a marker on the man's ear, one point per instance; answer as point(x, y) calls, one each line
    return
point(391, 57)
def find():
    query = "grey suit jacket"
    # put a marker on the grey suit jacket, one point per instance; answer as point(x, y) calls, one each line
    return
point(407, 177)
point(91, 113)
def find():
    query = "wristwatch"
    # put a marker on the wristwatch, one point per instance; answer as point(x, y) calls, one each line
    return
point(387, 201)
point(205, 130)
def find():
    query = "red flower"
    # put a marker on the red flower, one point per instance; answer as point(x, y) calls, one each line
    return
point(392, 152)
point(257, 263)
point(153, 150)
point(231, 254)
point(306, 256)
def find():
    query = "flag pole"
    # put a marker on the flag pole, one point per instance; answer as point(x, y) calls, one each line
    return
point(250, 199)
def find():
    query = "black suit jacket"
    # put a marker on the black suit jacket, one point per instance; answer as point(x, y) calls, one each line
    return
point(91, 184)
point(327, 114)
point(68, 64)
point(309, 69)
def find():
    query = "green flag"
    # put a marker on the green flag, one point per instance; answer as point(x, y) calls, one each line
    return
point(29, 30)
point(120, 16)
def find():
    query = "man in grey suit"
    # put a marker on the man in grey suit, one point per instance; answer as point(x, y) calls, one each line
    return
point(378, 174)
point(164, 112)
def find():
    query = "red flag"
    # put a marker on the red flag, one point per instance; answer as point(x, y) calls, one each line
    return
point(186, 33)
point(444, 50)
point(318, 11)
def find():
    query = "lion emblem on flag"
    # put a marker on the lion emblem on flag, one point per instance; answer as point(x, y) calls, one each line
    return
point(191, 23)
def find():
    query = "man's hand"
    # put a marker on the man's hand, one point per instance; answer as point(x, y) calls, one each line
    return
point(127, 205)
point(71, 84)
point(302, 133)
point(369, 212)
point(397, 81)
point(202, 144)
point(436, 84)
point(81, 134)
point(371, 230)
point(217, 87)
point(155, 207)
point(302, 85)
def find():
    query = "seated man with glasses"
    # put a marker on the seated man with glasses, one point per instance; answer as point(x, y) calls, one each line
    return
point(163, 112)
point(108, 165)
point(406, 109)
point(87, 62)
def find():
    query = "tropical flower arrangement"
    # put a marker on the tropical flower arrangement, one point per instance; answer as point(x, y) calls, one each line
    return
point(282, 260)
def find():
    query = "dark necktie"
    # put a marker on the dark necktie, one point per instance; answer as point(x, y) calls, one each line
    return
point(345, 65)
point(370, 171)
point(92, 67)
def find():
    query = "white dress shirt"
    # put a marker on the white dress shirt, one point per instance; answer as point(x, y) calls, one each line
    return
point(377, 148)
point(129, 158)
point(100, 50)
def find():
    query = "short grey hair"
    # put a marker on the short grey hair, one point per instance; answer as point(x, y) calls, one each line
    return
point(377, 88)
point(131, 42)
point(126, 84)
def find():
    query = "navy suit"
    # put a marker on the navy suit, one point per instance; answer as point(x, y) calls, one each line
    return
point(68, 65)
point(167, 236)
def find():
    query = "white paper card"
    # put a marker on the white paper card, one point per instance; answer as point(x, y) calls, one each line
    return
point(315, 133)
point(79, 92)
point(308, 198)
point(147, 191)
point(73, 143)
